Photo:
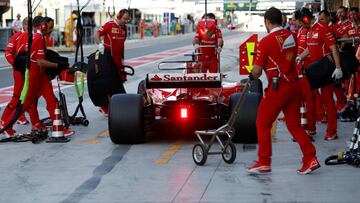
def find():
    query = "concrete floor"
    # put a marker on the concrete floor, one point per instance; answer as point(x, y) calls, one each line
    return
point(91, 168)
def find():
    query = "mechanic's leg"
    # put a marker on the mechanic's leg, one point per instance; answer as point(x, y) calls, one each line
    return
point(31, 96)
point(213, 67)
point(292, 119)
point(48, 93)
point(269, 108)
point(340, 97)
point(327, 97)
point(320, 109)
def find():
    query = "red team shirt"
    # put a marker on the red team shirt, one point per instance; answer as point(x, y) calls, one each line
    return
point(302, 44)
point(209, 39)
point(114, 38)
point(319, 39)
point(354, 31)
point(37, 51)
point(278, 57)
point(10, 50)
point(340, 29)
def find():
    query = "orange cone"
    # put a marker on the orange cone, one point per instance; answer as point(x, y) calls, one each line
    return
point(57, 134)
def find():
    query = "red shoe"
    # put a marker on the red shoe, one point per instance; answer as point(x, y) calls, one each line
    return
point(22, 120)
point(329, 136)
point(39, 127)
point(9, 133)
point(259, 168)
point(68, 132)
point(309, 167)
point(104, 111)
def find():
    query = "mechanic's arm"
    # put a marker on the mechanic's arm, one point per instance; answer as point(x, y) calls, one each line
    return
point(303, 55)
point(342, 45)
point(195, 41)
point(336, 55)
point(220, 42)
point(98, 38)
point(256, 71)
point(45, 63)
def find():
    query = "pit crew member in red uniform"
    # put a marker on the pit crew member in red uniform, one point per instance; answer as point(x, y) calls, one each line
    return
point(114, 35)
point(10, 55)
point(213, 37)
point(339, 30)
point(300, 17)
point(354, 31)
point(46, 88)
point(321, 43)
point(276, 55)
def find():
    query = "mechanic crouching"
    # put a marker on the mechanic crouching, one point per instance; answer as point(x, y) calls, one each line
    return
point(114, 36)
point(276, 55)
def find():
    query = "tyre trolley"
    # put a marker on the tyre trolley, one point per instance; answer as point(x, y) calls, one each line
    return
point(228, 150)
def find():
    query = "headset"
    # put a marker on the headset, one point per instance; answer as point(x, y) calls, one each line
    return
point(44, 23)
point(121, 13)
point(306, 15)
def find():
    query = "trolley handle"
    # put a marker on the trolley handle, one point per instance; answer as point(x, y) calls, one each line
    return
point(131, 69)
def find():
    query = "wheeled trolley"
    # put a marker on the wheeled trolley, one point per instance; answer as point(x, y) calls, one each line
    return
point(223, 135)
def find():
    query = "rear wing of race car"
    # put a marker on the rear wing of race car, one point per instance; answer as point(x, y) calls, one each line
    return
point(183, 80)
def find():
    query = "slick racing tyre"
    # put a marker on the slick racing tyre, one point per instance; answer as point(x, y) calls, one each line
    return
point(126, 119)
point(245, 123)
point(255, 86)
point(103, 78)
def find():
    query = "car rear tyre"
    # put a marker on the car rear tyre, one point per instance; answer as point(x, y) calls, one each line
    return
point(255, 85)
point(126, 119)
point(245, 123)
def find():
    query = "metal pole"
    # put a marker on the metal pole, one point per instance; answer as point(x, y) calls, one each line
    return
point(322, 6)
point(205, 8)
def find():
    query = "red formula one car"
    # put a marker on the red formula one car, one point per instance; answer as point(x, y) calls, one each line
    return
point(182, 98)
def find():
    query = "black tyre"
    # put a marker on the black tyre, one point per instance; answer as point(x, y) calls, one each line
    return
point(255, 86)
point(126, 119)
point(85, 122)
point(199, 154)
point(142, 87)
point(229, 154)
point(245, 124)
point(334, 160)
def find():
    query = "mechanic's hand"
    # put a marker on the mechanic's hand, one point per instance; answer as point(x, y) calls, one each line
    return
point(337, 74)
point(219, 49)
point(101, 48)
point(298, 60)
point(251, 77)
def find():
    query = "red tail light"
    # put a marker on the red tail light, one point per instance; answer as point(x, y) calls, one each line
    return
point(183, 113)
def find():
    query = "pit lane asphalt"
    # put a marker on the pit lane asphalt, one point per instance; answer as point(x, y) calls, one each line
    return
point(91, 169)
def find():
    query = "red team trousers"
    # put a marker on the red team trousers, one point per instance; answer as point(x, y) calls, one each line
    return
point(32, 110)
point(285, 99)
point(327, 98)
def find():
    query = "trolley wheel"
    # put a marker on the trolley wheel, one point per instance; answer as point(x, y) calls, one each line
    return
point(334, 160)
point(35, 140)
point(199, 154)
point(85, 122)
point(229, 153)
